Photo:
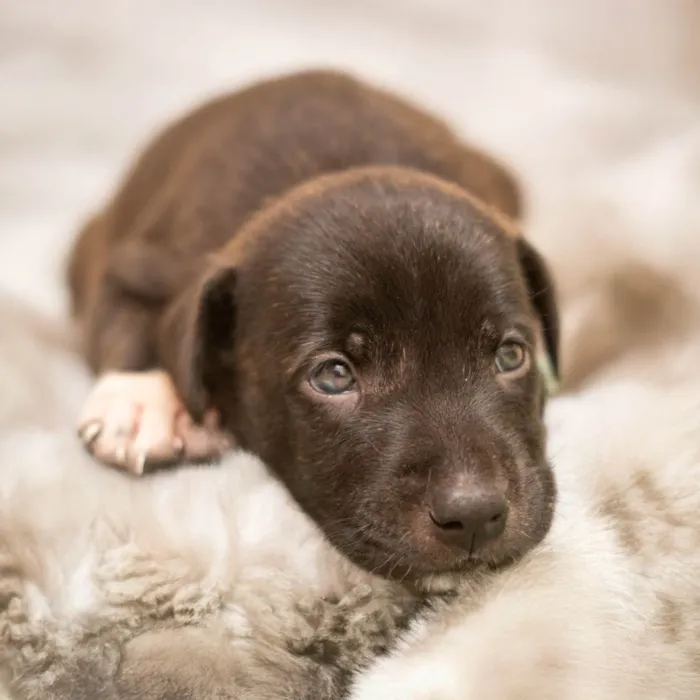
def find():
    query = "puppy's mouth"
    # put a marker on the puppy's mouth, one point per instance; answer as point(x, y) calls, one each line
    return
point(406, 561)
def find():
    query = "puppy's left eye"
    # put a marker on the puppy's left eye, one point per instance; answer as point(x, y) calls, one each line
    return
point(332, 377)
point(510, 356)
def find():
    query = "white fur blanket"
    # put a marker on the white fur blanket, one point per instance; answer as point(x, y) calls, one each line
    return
point(597, 107)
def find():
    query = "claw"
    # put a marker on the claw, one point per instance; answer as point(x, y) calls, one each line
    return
point(226, 443)
point(179, 448)
point(89, 433)
point(140, 464)
point(120, 454)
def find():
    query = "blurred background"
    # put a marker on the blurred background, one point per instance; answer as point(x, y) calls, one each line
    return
point(595, 103)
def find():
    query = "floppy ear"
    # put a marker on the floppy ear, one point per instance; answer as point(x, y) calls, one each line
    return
point(197, 329)
point(543, 297)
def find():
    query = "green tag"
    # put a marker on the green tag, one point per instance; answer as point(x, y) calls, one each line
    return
point(546, 369)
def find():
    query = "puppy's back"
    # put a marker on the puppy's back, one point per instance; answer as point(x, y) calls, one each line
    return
point(195, 185)
point(261, 141)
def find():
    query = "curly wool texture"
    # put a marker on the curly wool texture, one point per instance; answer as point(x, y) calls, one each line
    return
point(201, 583)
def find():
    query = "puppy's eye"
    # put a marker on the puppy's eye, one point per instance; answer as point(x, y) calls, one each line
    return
point(510, 357)
point(332, 377)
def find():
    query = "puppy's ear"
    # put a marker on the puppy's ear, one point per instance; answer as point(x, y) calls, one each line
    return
point(197, 329)
point(543, 296)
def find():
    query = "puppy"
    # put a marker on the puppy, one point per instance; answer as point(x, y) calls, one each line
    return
point(329, 270)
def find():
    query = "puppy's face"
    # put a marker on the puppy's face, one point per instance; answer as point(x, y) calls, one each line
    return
point(373, 339)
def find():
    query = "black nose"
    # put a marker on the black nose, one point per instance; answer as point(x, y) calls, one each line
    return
point(468, 519)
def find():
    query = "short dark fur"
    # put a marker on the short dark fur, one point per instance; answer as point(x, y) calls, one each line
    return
point(311, 215)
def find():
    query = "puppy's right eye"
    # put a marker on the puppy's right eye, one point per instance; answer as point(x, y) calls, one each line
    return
point(510, 357)
point(332, 377)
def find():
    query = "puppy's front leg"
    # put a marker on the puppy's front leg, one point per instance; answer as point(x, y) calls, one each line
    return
point(135, 416)
point(134, 419)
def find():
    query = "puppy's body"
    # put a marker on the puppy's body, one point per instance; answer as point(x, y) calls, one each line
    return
point(306, 232)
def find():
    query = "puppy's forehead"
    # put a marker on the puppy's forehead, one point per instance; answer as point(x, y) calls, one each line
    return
point(372, 194)
point(386, 249)
point(409, 232)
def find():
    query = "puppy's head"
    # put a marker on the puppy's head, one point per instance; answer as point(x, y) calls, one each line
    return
point(372, 336)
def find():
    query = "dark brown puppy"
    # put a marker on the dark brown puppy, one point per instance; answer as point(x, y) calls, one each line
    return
point(306, 258)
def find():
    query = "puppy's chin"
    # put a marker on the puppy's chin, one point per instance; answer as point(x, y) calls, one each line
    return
point(430, 566)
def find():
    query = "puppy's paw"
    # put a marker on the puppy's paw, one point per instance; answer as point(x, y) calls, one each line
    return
point(133, 420)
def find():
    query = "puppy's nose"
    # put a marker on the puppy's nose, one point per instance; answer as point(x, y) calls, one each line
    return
point(468, 519)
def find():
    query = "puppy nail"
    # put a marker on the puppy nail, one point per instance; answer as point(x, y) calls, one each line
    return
point(178, 447)
point(90, 432)
point(140, 464)
point(120, 454)
point(226, 442)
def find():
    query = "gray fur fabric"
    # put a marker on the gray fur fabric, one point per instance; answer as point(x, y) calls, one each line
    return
point(207, 583)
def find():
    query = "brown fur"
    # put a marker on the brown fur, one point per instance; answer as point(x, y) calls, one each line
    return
point(229, 158)
point(276, 225)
